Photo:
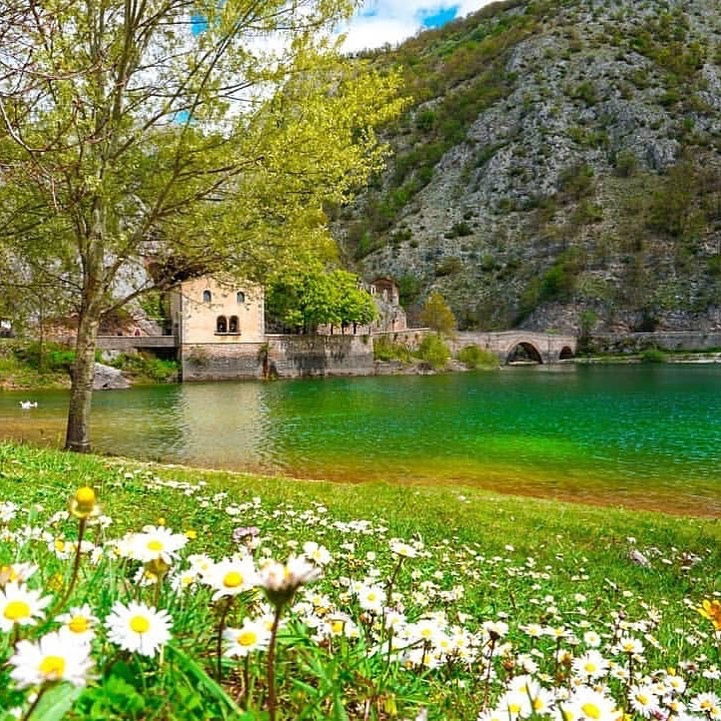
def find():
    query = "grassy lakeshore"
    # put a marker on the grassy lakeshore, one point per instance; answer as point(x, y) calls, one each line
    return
point(431, 601)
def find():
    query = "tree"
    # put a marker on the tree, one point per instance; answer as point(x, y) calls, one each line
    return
point(140, 144)
point(437, 315)
point(309, 295)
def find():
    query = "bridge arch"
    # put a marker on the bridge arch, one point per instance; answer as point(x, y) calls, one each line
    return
point(566, 353)
point(524, 350)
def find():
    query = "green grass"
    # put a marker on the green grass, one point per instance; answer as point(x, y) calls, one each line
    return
point(519, 560)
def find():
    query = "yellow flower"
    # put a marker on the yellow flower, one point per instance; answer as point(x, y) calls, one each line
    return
point(191, 534)
point(84, 503)
point(712, 611)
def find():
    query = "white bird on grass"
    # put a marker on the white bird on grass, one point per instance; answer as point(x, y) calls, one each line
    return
point(27, 405)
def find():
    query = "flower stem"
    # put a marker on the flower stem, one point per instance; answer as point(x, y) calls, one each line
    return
point(272, 701)
point(35, 703)
point(219, 640)
point(76, 567)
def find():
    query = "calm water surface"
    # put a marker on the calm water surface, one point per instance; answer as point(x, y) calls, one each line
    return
point(633, 435)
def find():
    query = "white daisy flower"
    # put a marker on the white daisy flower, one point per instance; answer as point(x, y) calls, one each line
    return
point(52, 658)
point(20, 606)
point(137, 627)
point(591, 665)
point(251, 636)
point(231, 576)
point(78, 623)
point(281, 581)
point(155, 542)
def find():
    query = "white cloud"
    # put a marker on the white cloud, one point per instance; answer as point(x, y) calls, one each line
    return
point(391, 21)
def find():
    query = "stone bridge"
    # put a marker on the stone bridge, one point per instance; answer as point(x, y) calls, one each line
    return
point(538, 347)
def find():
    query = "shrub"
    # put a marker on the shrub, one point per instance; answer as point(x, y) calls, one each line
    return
point(147, 366)
point(385, 349)
point(653, 355)
point(434, 351)
point(473, 356)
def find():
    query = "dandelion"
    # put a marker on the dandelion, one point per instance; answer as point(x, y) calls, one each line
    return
point(52, 658)
point(712, 611)
point(251, 636)
point(137, 627)
point(20, 606)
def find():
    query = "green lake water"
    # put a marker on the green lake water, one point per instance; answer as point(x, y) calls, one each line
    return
point(642, 436)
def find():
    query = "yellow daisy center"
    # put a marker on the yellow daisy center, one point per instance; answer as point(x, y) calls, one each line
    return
point(15, 610)
point(139, 624)
point(79, 624)
point(155, 545)
point(232, 579)
point(247, 638)
point(538, 704)
point(591, 710)
point(336, 627)
point(590, 667)
point(52, 666)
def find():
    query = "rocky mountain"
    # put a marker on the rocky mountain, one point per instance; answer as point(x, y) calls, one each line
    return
point(558, 168)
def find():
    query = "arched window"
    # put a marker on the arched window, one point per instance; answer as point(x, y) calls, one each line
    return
point(240, 296)
point(221, 325)
point(233, 324)
point(207, 296)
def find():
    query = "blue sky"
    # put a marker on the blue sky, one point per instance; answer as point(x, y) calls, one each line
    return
point(391, 21)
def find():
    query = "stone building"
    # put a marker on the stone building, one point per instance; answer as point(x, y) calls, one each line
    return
point(219, 328)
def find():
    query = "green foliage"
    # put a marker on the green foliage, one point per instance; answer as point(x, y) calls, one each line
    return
point(322, 675)
point(437, 314)
point(385, 349)
point(145, 366)
point(409, 288)
point(653, 355)
point(626, 164)
point(473, 356)
point(434, 351)
point(307, 295)
point(450, 265)
point(577, 181)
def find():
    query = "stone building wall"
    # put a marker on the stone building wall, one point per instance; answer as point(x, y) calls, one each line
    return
point(281, 356)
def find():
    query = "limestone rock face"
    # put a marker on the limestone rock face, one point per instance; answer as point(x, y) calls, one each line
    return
point(108, 378)
point(589, 182)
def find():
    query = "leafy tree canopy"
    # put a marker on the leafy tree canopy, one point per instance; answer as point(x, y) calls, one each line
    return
point(308, 295)
point(132, 132)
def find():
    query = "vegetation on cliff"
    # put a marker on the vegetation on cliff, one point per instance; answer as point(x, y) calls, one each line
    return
point(558, 158)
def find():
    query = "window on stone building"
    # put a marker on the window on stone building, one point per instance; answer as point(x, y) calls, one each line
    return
point(233, 324)
point(221, 324)
point(207, 296)
point(240, 296)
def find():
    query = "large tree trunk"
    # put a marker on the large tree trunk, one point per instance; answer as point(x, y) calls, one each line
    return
point(77, 437)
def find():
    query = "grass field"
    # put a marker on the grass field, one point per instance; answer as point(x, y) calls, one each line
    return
point(397, 602)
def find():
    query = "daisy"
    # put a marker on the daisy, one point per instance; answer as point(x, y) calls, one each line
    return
point(156, 542)
point(231, 576)
point(20, 606)
point(318, 554)
point(251, 636)
point(52, 658)
point(591, 705)
point(591, 665)
point(281, 581)
point(643, 700)
point(371, 598)
point(137, 627)
point(78, 624)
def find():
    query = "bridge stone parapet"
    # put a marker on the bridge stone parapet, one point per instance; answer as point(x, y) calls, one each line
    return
point(543, 347)
point(125, 343)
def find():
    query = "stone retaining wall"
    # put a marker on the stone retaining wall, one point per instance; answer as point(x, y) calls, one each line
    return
point(664, 340)
point(281, 356)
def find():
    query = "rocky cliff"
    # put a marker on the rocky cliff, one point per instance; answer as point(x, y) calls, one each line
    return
point(558, 167)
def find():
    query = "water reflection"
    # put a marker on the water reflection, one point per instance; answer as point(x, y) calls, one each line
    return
point(645, 437)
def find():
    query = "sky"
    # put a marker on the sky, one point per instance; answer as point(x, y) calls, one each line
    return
point(392, 21)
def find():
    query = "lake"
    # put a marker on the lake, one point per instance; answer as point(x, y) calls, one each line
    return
point(640, 436)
